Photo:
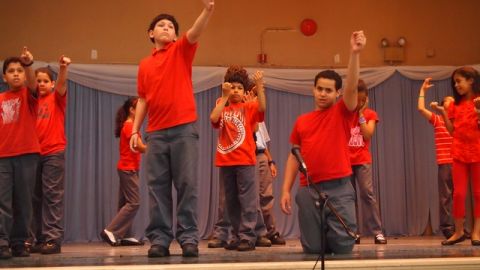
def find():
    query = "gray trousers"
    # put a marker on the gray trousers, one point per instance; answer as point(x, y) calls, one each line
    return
point(241, 200)
point(222, 229)
point(17, 178)
point(342, 196)
point(172, 157)
point(48, 203)
point(363, 184)
point(445, 191)
point(265, 181)
point(128, 204)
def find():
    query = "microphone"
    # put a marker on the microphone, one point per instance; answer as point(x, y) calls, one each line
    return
point(298, 156)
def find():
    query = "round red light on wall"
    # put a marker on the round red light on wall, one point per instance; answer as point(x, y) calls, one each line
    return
point(308, 27)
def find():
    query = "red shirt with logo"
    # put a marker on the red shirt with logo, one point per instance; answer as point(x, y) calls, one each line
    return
point(466, 135)
point(129, 160)
point(359, 147)
point(236, 145)
point(51, 123)
point(18, 115)
point(323, 139)
point(165, 82)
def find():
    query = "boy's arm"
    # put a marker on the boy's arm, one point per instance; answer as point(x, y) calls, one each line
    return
point(60, 84)
point(271, 163)
point(291, 170)
point(357, 43)
point(193, 34)
point(27, 61)
point(421, 99)
point(140, 112)
point(259, 86)
point(367, 128)
point(217, 111)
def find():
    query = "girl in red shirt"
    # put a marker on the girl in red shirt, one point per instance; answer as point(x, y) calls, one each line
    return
point(119, 231)
point(463, 123)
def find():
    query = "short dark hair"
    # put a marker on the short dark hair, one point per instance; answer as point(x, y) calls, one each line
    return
point(331, 75)
point(237, 74)
point(467, 73)
point(362, 87)
point(9, 60)
point(160, 17)
point(46, 71)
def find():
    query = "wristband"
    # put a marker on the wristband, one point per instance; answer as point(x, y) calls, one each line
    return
point(421, 96)
point(362, 120)
point(271, 162)
point(28, 65)
point(133, 133)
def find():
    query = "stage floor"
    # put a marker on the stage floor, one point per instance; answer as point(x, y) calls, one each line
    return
point(99, 255)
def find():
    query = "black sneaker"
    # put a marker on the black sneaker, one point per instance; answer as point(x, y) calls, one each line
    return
point(380, 239)
point(216, 243)
point(109, 237)
point(232, 245)
point(156, 251)
point(131, 242)
point(277, 239)
point(245, 245)
point(5, 253)
point(263, 241)
point(20, 251)
point(35, 248)
point(51, 247)
point(190, 250)
point(357, 240)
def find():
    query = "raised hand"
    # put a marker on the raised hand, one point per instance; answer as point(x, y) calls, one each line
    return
point(26, 57)
point(476, 102)
point(427, 84)
point(358, 41)
point(364, 106)
point(434, 105)
point(64, 61)
point(249, 97)
point(209, 4)
point(226, 89)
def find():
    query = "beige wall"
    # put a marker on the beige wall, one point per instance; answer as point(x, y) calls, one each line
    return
point(117, 30)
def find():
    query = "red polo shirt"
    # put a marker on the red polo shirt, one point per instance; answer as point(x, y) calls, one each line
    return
point(165, 82)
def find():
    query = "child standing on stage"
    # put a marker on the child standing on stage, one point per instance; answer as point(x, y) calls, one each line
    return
point(165, 92)
point(48, 202)
point(322, 135)
point(364, 124)
point(235, 154)
point(119, 231)
point(443, 146)
point(463, 123)
point(19, 151)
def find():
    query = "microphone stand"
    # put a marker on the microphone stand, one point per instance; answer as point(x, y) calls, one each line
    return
point(320, 203)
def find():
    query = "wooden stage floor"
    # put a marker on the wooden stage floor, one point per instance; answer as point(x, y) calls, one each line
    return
point(399, 253)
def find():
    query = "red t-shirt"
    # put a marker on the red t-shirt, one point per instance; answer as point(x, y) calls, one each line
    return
point(323, 139)
point(18, 114)
point(466, 135)
point(51, 123)
point(129, 160)
point(443, 140)
point(165, 82)
point(236, 145)
point(359, 147)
